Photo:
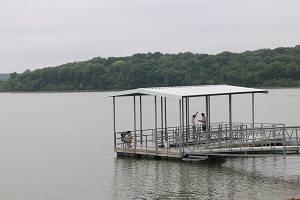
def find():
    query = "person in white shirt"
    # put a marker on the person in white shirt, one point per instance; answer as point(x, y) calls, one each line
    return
point(194, 124)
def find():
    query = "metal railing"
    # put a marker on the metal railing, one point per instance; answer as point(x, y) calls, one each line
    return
point(241, 137)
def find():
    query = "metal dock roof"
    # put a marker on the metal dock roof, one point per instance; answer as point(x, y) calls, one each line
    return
point(190, 91)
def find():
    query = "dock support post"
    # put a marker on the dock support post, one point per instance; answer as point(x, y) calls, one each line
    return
point(155, 125)
point(162, 120)
point(297, 139)
point(166, 130)
point(134, 123)
point(230, 112)
point(187, 130)
point(114, 119)
point(253, 110)
point(207, 133)
point(180, 129)
point(230, 120)
point(207, 110)
point(141, 120)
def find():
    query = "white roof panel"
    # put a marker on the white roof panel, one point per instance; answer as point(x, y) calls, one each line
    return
point(191, 91)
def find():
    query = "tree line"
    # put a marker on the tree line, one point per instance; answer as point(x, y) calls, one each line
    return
point(278, 67)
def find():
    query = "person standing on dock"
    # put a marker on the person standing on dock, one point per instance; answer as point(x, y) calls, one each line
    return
point(203, 121)
point(194, 124)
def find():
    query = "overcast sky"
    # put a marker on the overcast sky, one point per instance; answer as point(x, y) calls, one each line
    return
point(43, 33)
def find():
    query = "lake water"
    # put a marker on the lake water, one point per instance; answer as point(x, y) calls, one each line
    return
point(60, 146)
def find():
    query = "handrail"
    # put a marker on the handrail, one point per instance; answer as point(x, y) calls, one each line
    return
point(241, 138)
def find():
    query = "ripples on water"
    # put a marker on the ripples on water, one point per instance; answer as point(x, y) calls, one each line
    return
point(233, 178)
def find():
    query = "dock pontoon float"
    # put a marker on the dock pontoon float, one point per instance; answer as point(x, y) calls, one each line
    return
point(220, 139)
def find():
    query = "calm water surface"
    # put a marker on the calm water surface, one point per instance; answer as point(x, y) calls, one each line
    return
point(60, 146)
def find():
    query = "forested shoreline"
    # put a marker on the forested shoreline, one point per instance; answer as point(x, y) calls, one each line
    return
point(278, 67)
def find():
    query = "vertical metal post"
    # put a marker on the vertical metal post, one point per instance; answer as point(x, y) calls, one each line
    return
point(141, 120)
point(209, 114)
point(180, 122)
point(230, 119)
point(207, 133)
point(180, 129)
point(297, 139)
point(188, 114)
point(155, 125)
point(162, 120)
point(253, 110)
point(182, 107)
point(187, 130)
point(134, 123)
point(207, 110)
point(283, 140)
point(114, 121)
point(166, 129)
point(230, 112)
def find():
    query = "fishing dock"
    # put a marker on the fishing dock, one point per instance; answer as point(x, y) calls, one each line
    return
point(220, 138)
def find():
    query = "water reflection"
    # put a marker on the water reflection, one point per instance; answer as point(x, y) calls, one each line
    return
point(235, 178)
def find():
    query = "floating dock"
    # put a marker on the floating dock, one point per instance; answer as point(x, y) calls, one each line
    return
point(219, 140)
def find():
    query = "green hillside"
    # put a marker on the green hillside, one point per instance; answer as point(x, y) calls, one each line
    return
point(278, 67)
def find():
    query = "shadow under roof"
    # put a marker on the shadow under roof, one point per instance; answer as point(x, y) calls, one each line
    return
point(190, 91)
